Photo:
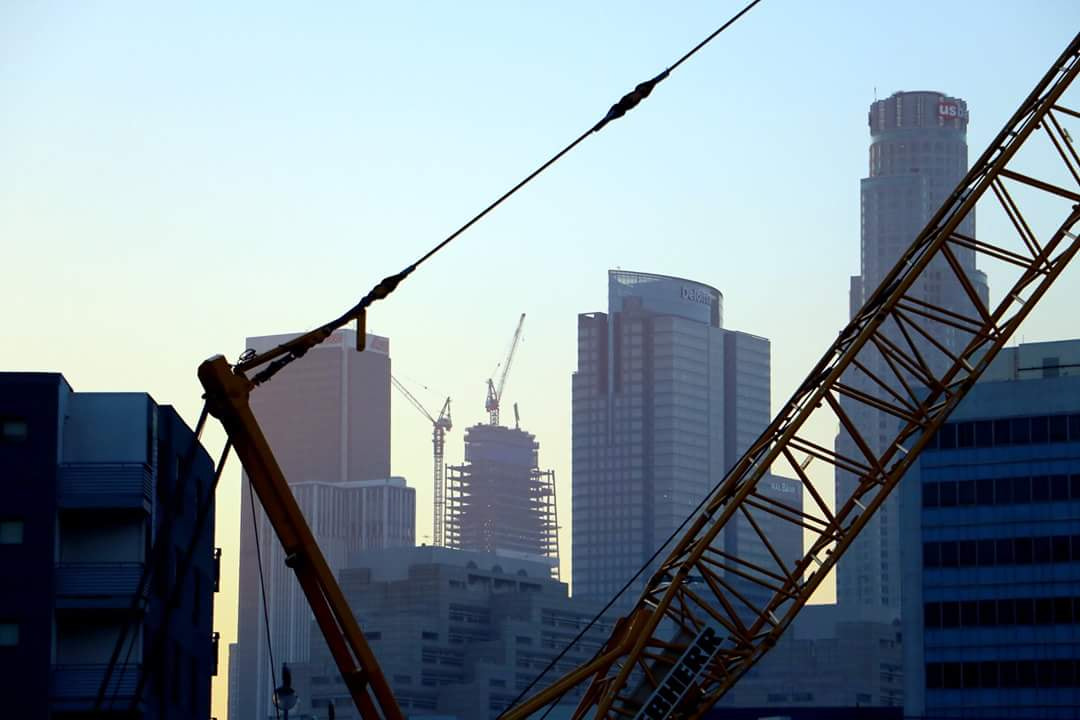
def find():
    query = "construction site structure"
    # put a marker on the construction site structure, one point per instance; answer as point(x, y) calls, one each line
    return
point(439, 427)
point(500, 501)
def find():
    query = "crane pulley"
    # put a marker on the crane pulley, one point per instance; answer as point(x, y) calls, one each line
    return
point(494, 392)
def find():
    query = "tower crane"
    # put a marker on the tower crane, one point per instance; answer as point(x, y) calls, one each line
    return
point(494, 392)
point(439, 427)
point(691, 634)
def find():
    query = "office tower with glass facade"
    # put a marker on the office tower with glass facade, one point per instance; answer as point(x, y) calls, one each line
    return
point(664, 401)
point(991, 530)
point(918, 154)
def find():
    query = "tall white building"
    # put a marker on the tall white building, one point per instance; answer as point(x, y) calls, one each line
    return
point(918, 154)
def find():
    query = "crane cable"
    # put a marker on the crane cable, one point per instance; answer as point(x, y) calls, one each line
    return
point(278, 358)
point(262, 587)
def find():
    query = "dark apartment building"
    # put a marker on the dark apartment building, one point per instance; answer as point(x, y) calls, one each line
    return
point(95, 489)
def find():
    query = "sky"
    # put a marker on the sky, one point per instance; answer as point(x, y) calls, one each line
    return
point(174, 179)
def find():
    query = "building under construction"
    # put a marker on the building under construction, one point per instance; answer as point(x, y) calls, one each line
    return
point(500, 501)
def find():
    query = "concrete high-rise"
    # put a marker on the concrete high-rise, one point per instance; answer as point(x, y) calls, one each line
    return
point(991, 552)
point(918, 154)
point(664, 402)
point(92, 484)
point(327, 418)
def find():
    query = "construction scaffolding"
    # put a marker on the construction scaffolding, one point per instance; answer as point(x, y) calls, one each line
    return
point(500, 501)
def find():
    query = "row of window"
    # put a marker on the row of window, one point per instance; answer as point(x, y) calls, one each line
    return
point(1003, 674)
point(1002, 551)
point(1001, 491)
point(1033, 430)
point(1002, 612)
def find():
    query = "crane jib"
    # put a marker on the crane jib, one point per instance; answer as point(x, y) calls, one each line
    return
point(667, 696)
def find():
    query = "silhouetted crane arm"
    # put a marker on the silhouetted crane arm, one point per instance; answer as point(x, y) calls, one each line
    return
point(495, 392)
point(416, 403)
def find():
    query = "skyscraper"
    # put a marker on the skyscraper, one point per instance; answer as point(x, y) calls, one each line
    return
point(327, 419)
point(664, 402)
point(918, 154)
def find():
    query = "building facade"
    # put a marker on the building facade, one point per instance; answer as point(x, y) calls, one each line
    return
point(457, 634)
point(665, 400)
point(918, 154)
point(991, 514)
point(500, 501)
point(94, 484)
point(327, 419)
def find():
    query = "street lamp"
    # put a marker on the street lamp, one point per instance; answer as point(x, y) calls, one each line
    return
point(284, 696)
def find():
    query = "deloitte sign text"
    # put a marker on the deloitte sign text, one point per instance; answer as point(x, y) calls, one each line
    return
point(671, 691)
point(696, 295)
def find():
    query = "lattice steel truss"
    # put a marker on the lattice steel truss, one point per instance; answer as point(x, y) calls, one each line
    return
point(901, 357)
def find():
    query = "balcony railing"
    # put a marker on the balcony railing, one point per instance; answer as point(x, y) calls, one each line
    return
point(97, 580)
point(75, 686)
point(105, 485)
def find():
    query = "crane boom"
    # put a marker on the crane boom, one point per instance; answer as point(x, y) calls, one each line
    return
point(494, 394)
point(691, 634)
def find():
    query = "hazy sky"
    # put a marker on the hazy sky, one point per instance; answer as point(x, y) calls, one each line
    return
point(174, 179)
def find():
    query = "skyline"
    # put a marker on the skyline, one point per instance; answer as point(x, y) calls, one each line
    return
point(205, 185)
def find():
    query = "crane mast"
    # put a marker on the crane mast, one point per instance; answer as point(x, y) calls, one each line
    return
point(439, 427)
point(494, 392)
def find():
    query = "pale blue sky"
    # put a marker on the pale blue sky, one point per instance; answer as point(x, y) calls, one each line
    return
point(173, 179)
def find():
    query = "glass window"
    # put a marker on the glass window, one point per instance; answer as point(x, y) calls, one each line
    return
point(986, 552)
point(1059, 487)
point(1003, 494)
point(13, 431)
point(1004, 551)
point(1074, 487)
point(1040, 488)
point(947, 494)
point(1063, 608)
point(1007, 675)
point(951, 676)
point(969, 613)
point(1025, 611)
point(1074, 428)
point(1040, 430)
point(984, 433)
point(965, 492)
point(1064, 675)
point(950, 614)
point(1060, 548)
point(933, 676)
point(984, 492)
point(948, 554)
point(9, 634)
point(947, 436)
point(987, 613)
point(932, 615)
point(966, 553)
point(971, 675)
point(931, 555)
point(1001, 432)
point(930, 495)
point(1022, 548)
point(1059, 428)
point(11, 532)
point(1021, 490)
point(1020, 430)
point(965, 434)
point(1006, 612)
point(1044, 611)
point(988, 674)
point(1041, 550)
